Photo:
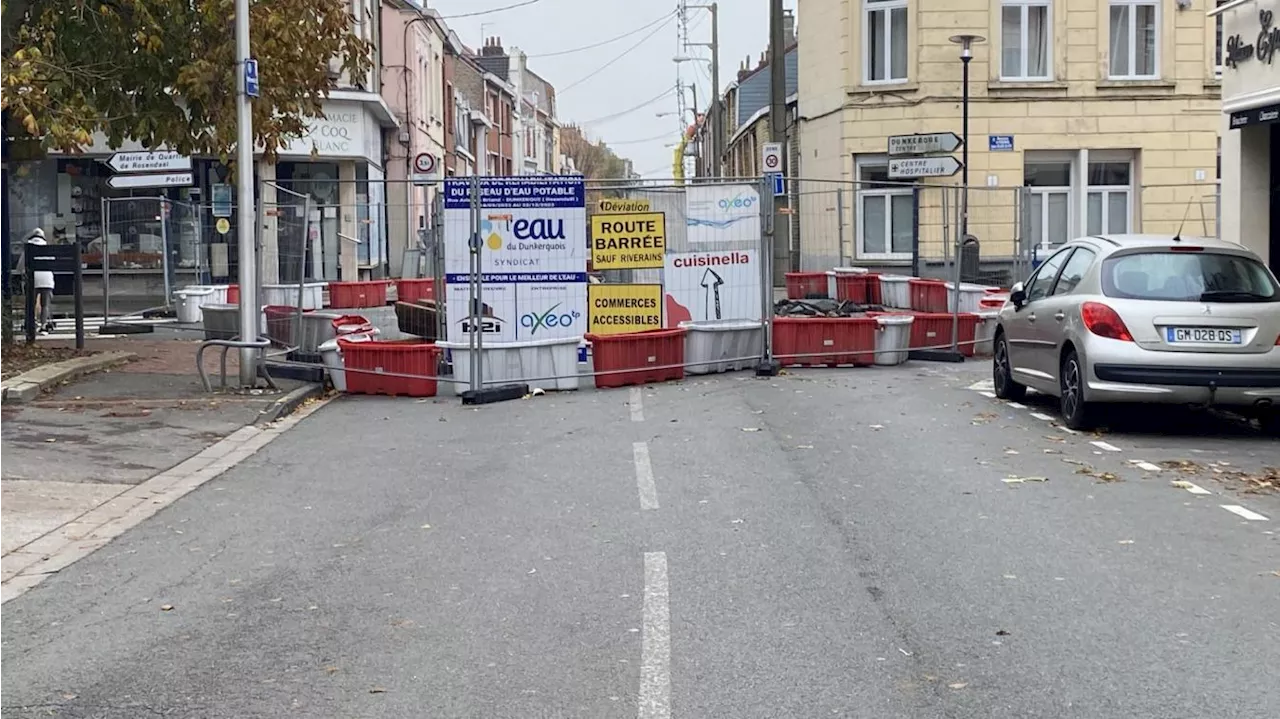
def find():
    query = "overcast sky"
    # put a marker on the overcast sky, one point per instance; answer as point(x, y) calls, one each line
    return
point(554, 26)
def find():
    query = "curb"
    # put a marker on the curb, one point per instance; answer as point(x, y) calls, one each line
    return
point(28, 385)
point(288, 404)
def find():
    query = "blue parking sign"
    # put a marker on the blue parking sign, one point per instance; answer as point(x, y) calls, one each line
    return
point(251, 77)
point(779, 184)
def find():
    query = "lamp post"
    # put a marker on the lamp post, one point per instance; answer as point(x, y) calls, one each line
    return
point(966, 43)
point(715, 111)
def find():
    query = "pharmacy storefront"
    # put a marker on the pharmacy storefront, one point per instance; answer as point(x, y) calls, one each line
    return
point(1251, 125)
point(338, 165)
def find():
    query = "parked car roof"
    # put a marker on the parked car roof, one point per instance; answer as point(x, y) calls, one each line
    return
point(1135, 240)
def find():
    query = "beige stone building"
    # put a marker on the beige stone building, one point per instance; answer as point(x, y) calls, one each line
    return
point(1086, 116)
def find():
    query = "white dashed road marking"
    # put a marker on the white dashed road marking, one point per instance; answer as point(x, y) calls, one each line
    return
point(644, 476)
point(636, 402)
point(988, 395)
point(1194, 488)
point(1248, 514)
point(1017, 405)
point(1042, 416)
point(1145, 465)
point(1105, 446)
point(655, 649)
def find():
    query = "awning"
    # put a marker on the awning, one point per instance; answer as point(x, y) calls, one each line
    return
point(1255, 116)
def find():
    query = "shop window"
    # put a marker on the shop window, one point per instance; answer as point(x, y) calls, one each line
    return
point(1025, 39)
point(886, 212)
point(884, 37)
point(1134, 48)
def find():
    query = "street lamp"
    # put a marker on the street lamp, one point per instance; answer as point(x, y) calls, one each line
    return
point(716, 110)
point(966, 43)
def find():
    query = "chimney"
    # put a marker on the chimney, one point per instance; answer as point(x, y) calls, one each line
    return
point(492, 47)
point(789, 25)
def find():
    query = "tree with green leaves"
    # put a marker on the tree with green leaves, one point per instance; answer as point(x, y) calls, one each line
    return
point(163, 72)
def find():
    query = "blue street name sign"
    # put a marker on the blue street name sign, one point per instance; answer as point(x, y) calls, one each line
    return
point(251, 77)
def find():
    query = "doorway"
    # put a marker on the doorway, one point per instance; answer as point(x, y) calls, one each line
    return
point(1273, 246)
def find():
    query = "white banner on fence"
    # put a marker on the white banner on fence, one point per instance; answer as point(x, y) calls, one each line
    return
point(722, 213)
point(712, 286)
point(533, 232)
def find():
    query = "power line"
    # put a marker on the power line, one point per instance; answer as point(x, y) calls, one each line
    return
point(512, 6)
point(616, 115)
point(624, 53)
point(663, 136)
point(602, 43)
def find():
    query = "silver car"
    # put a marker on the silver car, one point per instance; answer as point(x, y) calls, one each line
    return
point(1144, 318)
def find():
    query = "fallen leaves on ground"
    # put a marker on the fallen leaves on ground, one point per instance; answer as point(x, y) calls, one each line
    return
point(1264, 481)
point(20, 357)
point(1097, 474)
point(984, 417)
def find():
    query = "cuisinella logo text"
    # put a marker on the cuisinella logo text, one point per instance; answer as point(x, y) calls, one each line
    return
point(740, 202)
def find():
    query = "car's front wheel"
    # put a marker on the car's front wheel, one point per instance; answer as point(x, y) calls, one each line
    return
point(1076, 413)
point(1002, 373)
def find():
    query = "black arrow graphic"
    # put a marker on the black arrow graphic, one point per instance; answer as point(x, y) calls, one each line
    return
point(711, 281)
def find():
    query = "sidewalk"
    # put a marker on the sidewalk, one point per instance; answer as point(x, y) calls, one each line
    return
point(89, 441)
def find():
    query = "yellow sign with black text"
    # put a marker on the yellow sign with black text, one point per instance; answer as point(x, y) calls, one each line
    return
point(615, 309)
point(619, 204)
point(632, 241)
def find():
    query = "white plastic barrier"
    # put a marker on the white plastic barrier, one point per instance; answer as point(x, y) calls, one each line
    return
point(331, 353)
point(833, 272)
point(549, 364)
point(191, 300)
point(893, 339)
point(287, 295)
point(970, 295)
point(721, 345)
point(985, 333)
point(895, 292)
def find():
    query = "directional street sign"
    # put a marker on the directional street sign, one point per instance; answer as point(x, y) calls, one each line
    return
point(900, 145)
point(168, 179)
point(149, 162)
point(913, 167)
point(771, 156)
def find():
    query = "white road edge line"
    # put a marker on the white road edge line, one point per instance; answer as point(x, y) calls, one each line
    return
point(1105, 446)
point(1145, 465)
point(636, 402)
point(109, 520)
point(1248, 514)
point(1194, 488)
point(1042, 416)
point(644, 476)
point(655, 649)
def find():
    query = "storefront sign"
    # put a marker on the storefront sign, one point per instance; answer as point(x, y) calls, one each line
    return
point(342, 132)
point(1262, 49)
point(615, 309)
point(1256, 116)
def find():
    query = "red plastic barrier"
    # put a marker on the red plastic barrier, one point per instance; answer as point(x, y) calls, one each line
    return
point(350, 325)
point(928, 295)
point(280, 323)
point(874, 295)
point(992, 302)
point(415, 289)
point(853, 287)
point(802, 285)
point(371, 293)
point(932, 330)
point(653, 356)
point(385, 363)
point(233, 294)
point(831, 341)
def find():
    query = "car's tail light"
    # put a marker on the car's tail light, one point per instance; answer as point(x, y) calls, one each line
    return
point(1104, 322)
point(1277, 340)
point(1184, 248)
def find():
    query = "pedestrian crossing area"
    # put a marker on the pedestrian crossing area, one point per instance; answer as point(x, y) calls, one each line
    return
point(65, 328)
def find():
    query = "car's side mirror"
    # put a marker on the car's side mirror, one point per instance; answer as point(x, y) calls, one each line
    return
point(1018, 295)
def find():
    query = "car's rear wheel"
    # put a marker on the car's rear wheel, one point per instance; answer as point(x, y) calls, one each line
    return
point(1076, 413)
point(1002, 373)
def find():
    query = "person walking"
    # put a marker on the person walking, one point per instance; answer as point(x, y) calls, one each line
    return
point(42, 285)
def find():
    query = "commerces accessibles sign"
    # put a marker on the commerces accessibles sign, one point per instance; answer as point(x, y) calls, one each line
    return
point(533, 257)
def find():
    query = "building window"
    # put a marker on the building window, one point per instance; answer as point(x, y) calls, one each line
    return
point(884, 30)
point(1049, 201)
point(1025, 39)
point(1135, 25)
point(1109, 196)
point(1217, 42)
point(886, 212)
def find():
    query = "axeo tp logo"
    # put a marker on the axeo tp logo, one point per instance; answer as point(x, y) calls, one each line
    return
point(738, 202)
point(548, 319)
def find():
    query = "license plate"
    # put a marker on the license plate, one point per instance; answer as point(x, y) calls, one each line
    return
point(1202, 335)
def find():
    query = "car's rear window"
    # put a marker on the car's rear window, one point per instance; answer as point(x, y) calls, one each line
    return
point(1188, 277)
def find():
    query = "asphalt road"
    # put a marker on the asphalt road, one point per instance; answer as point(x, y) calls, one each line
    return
point(828, 543)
